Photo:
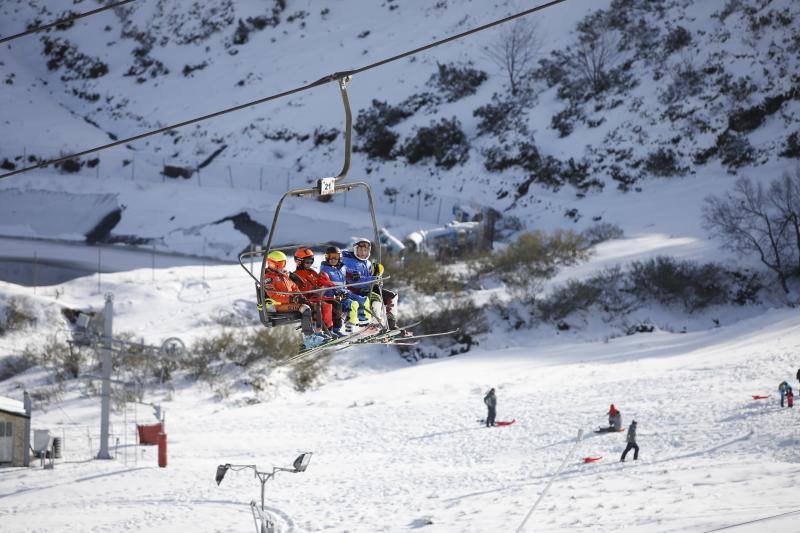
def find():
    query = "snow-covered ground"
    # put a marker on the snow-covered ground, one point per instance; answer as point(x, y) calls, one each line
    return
point(397, 446)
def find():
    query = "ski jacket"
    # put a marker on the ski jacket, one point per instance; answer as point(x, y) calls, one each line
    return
point(798, 374)
point(309, 279)
point(490, 400)
point(357, 270)
point(632, 433)
point(337, 275)
point(783, 387)
point(615, 420)
point(279, 282)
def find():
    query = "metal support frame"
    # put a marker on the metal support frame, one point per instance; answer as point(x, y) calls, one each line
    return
point(105, 408)
point(325, 187)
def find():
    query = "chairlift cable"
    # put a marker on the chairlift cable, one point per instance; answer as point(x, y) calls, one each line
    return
point(336, 76)
point(37, 29)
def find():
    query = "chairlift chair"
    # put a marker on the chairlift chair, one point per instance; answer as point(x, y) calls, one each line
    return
point(325, 187)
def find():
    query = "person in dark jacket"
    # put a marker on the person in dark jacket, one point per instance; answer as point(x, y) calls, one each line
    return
point(631, 443)
point(491, 404)
point(798, 374)
point(783, 388)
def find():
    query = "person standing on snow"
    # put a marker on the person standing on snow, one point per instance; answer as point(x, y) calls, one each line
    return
point(491, 404)
point(631, 443)
point(784, 388)
point(798, 374)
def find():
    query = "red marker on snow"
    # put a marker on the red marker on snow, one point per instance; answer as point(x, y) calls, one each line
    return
point(591, 459)
point(755, 397)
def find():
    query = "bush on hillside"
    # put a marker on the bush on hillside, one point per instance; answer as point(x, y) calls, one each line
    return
point(447, 314)
point(444, 141)
point(601, 232)
point(457, 81)
point(534, 257)
point(734, 150)
point(13, 365)
point(678, 38)
point(664, 163)
point(209, 356)
point(16, 315)
point(422, 272)
point(792, 145)
point(372, 126)
point(673, 282)
point(62, 53)
point(496, 117)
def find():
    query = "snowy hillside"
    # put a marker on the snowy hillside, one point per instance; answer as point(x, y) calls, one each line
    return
point(692, 90)
point(644, 164)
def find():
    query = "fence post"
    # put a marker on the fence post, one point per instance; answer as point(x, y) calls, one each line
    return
point(163, 168)
point(439, 211)
point(198, 178)
point(133, 167)
point(288, 181)
point(261, 179)
point(35, 264)
point(97, 171)
point(419, 201)
point(153, 263)
point(394, 208)
point(230, 176)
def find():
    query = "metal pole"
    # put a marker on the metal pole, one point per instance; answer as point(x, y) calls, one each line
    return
point(230, 176)
point(98, 270)
point(439, 211)
point(133, 167)
point(153, 262)
point(35, 264)
point(261, 179)
point(419, 201)
point(105, 408)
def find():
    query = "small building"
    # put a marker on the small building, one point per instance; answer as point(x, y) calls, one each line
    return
point(15, 429)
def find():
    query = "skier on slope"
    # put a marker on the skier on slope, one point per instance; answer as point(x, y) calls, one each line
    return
point(631, 437)
point(337, 273)
point(360, 269)
point(784, 388)
point(491, 404)
point(326, 310)
point(276, 278)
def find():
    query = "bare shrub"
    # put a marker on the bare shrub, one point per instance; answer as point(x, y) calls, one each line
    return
point(601, 232)
point(747, 222)
point(13, 365)
point(447, 314)
point(307, 372)
point(515, 49)
point(670, 281)
point(17, 315)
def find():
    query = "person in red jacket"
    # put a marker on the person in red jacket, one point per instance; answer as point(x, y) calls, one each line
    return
point(276, 283)
point(326, 310)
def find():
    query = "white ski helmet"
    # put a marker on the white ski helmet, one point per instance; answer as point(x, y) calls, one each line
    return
point(360, 242)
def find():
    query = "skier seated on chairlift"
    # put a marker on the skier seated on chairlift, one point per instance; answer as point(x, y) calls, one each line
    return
point(614, 420)
point(334, 268)
point(327, 309)
point(359, 268)
point(277, 278)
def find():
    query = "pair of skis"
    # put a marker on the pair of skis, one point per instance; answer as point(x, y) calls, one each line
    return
point(371, 334)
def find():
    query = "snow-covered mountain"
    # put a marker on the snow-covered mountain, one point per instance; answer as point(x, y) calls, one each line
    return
point(630, 113)
point(687, 91)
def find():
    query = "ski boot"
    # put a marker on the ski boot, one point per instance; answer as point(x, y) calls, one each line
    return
point(313, 340)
